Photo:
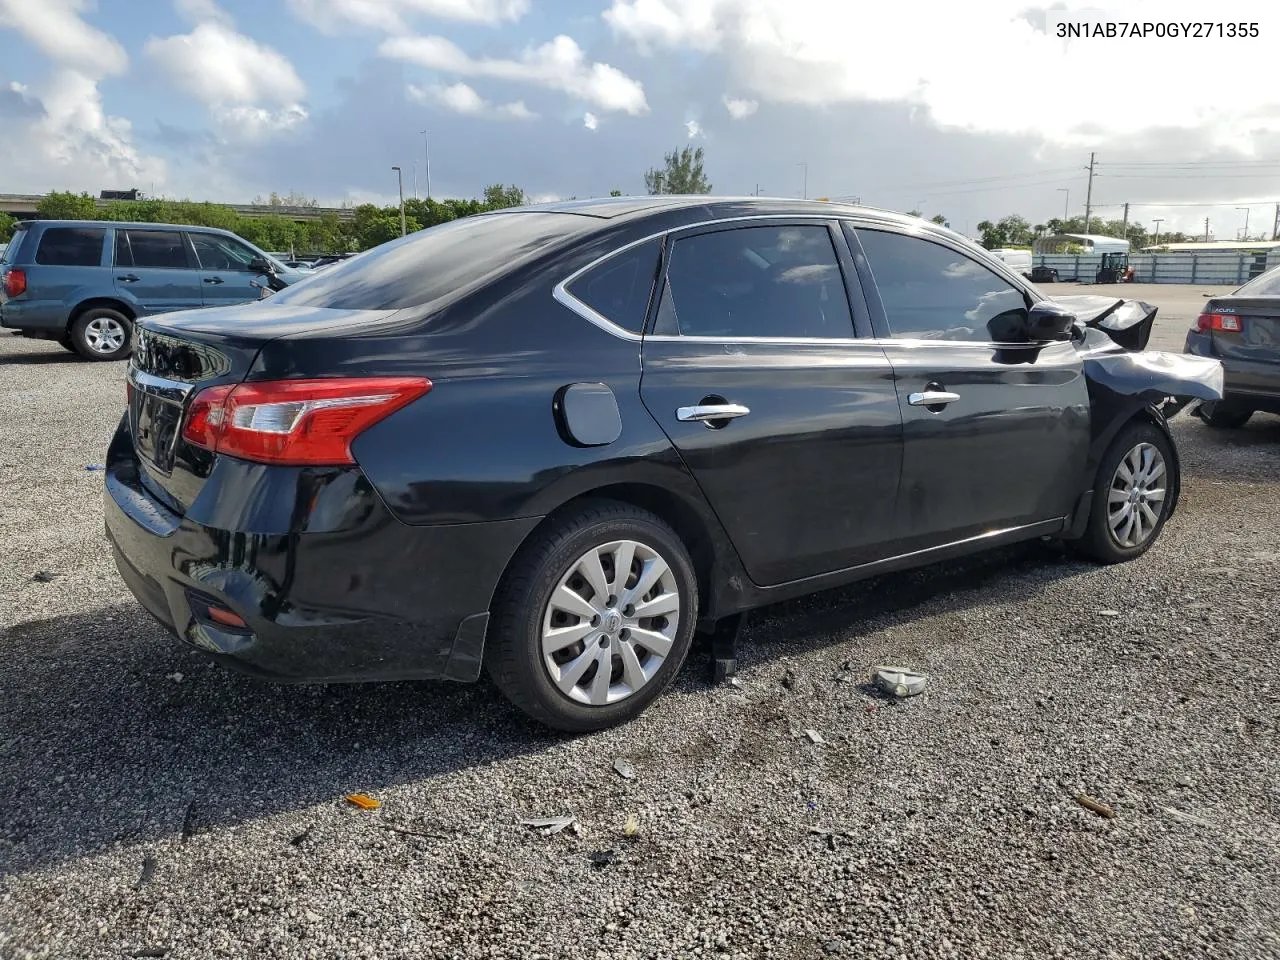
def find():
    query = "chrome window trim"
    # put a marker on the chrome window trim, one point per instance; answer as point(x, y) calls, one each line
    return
point(562, 295)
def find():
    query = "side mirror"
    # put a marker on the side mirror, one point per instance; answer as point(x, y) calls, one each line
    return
point(1048, 321)
point(261, 265)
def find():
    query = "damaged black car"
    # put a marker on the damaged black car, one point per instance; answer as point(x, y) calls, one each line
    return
point(554, 442)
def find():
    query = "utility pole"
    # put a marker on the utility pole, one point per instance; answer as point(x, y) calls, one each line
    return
point(757, 189)
point(404, 230)
point(415, 179)
point(1088, 198)
point(426, 155)
point(1246, 221)
point(1124, 230)
point(1157, 221)
point(1206, 229)
point(1275, 229)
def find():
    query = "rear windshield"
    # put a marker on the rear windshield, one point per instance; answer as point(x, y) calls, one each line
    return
point(71, 246)
point(429, 264)
point(1267, 285)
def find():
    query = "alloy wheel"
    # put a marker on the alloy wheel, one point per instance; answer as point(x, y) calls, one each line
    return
point(610, 623)
point(1137, 495)
point(104, 335)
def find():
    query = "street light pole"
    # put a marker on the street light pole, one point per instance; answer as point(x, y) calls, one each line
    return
point(1246, 221)
point(1157, 221)
point(404, 230)
point(426, 153)
point(1066, 202)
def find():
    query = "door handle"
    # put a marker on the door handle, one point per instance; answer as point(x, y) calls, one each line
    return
point(129, 278)
point(932, 398)
point(212, 279)
point(708, 412)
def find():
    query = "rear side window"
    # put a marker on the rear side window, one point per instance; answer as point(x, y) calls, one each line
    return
point(931, 292)
point(71, 247)
point(619, 288)
point(1267, 285)
point(432, 263)
point(781, 281)
point(151, 248)
point(9, 252)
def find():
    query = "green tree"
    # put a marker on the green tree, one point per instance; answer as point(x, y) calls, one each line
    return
point(938, 218)
point(681, 173)
point(67, 206)
point(6, 227)
point(615, 193)
point(914, 213)
point(498, 197)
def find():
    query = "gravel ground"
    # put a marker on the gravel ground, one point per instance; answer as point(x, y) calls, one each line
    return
point(156, 805)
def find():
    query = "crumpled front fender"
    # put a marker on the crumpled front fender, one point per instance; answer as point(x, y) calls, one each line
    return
point(1156, 376)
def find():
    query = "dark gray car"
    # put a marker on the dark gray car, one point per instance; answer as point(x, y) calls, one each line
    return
point(1243, 331)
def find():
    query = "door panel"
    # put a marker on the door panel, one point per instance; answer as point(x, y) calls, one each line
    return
point(1007, 444)
point(156, 268)
point(803, 469)
point(224, 269)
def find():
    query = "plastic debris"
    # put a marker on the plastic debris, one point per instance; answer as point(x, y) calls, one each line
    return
point(624, 768)
point(94, 467)
point(899, 681)
point(602, 858)
point(1096, 806)
point(1188, 817)
point(735, 683)
point(631, 829)
point(1108, 613)
point(363, 801)
point(176, 677)
point(551, 825)
point(45, 576)
point(815, 736)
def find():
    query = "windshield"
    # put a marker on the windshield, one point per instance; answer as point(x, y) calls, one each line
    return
point(431, 263)
point(1267, 285)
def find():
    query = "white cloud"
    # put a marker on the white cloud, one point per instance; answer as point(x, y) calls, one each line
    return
point(249, 88)
point(55, 28)
point(461, 98)
point(814, 52)
point(590, 121)
point(740, 108)
point(202, 11)
point(390, 16)
point(558, 65)
point(694, 128)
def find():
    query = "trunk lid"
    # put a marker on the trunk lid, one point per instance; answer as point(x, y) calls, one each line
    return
point(1258, 339)
point(177, 355)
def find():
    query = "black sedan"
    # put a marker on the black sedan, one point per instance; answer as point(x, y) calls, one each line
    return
point(555, 441)
point(1243, 331)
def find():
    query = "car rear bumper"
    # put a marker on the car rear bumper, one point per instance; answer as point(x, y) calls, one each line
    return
point(374, 599)
point(44, 316)
point(1246, 383)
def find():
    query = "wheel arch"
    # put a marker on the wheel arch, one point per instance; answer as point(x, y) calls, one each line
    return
point(110, 303)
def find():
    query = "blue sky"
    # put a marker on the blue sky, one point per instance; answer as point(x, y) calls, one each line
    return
point(973, 110)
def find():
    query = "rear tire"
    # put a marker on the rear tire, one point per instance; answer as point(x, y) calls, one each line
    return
point(64, 341)
point(1132, 492)
point(1223, 417)
point(563, 614)
point(101, 333)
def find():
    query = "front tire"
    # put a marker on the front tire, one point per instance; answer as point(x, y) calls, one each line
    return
point(101, 333)
point(1133, 491)
point(594, 618)
point(1223, 417)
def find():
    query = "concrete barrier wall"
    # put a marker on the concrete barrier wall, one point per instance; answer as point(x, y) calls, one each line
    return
point(1231, 269)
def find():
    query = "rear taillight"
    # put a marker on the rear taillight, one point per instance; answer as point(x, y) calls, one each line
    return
point(1222, 322)
point(295, 422)
point(15, 282)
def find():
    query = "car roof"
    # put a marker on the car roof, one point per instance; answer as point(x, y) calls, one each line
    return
point(128, 224)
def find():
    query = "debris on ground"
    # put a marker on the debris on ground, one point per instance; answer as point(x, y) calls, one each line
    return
point(815, 736)
point(622, 766)
point(631, 828)
point(1188, 817)
point(899, 681)
point(45, 576)
point(148, 871)
point(94, 467)
point(602, 858)
point(176, 677)
point(789, 679)
point(1096, 806)
point(151, 952)
point(299, 839)
point(1108, 613)
point(735, 683)
point(363, 801)
point(551, 825)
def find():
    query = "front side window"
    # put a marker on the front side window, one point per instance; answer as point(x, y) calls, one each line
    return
point(217, 252)
point(619, 288)
point(71, 247)
point(151, 248)
point(931, 292)
point(781, 281)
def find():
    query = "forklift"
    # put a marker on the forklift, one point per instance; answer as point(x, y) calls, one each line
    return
point(1114, 269)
